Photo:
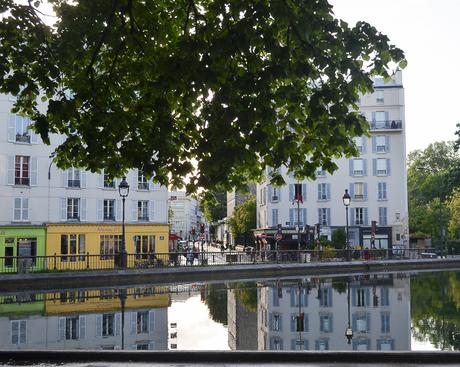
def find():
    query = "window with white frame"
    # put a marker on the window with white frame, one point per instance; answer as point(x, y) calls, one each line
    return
point(21, 209)
point(275, 193)
point(382, 166)
point(18, 332)
point(108, 182)
point(72, 326)
point(73, 208)
point(381, 144)
point(142, 322)
point(73, 177)
point(362, 323)
point(276, 325)
point(325, 297)
point(22, 129)
point(143, 210)
point(382, 190)
point(276, 344)
point(358, 190)
point(109, 209)
point(142, 183)
point(360, 297)
point(323, 193)
point(358, 167)
point(379, 96)
point(322, 344)
point(22, 170)
point(359, 216)
point(321, 173)
point(323, 216)
point(384, 323)
point(359, 142)
point(380, 119)
point(382, 216)
point(108, 324)
point(325, 323)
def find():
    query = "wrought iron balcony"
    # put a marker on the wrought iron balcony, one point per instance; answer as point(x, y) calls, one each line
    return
point(386, 125)
point(23, 138)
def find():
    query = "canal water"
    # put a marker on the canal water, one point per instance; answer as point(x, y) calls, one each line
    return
point(378, 311)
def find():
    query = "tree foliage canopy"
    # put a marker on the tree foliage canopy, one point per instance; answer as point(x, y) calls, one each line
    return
point(231, 85)
point(213, 204)
point(243, 219)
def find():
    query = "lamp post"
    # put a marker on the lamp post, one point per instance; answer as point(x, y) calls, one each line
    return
point(123, 189)
point(346, 201)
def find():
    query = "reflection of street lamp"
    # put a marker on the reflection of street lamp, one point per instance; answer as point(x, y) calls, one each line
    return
point(346, 201)
point(349, 330)
point(122, 296)
point(123, 189)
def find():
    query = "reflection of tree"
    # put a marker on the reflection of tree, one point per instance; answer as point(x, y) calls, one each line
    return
point(435, 309)
point(216, 299)
point(339, 285)
point(246, 293)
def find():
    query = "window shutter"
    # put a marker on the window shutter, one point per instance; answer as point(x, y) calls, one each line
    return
point(25, 209)
point(291, 192)
point(82, 179)
point(388, 168)
point(100, 210)
point(270, 190)
point(11, 170)
point(270, 322)
point(99, 325)
point(100, 179)
point(133, 323)
point(33, 171)
point(373, 118)
point(364, 146)
point(366, 219)
point(274, 217)
point(293, 293)
point(64, 182)
point(151, 211)
point(291, 216)
point(304, 192)
point(387, 119)
point(63, 209)
point(152, 346)
point(293, 322)
point(319, 192)
point(353, 300)
point(279, 193)
point(61, 328)
point(304, 216)
point(328, 216)
point(118, 207)
point(353, 322)
point(352, 190)
point(134, 179)
point(328, 191)
point(33, 136)
point(374, 167)
point(134, 210)
point(364, 167)
point(374, 144)
point(319, 216)
point(331, 318)
point(365, 191)
point(350, 162)
point(353, 216)
point(151, 321)
point(117, 324)
point(368, 293)
point(17, 208)
point(150, 184)
point(82, 209)
point(12, 128)
point(387, 144)
point(82, 327)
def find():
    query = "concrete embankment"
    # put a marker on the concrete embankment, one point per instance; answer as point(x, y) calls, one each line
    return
point(167, 275)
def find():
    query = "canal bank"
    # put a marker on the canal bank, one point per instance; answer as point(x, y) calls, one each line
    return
point(167, 275)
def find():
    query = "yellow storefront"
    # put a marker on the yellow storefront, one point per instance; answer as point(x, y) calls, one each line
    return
point(96, 246)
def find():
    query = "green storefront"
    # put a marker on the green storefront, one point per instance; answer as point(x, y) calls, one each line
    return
point(27, 243)
point(22, 305)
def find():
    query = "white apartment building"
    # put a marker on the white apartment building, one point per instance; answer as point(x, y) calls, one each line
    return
point(376, 181)
point(309, 316)
point(34, 191)
point(186, 214)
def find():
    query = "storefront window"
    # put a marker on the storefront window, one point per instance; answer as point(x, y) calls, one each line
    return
point(72, 244)
point(144, 246)
point(110, 245)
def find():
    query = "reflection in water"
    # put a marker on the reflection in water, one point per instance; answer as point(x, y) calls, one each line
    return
point(284, 314)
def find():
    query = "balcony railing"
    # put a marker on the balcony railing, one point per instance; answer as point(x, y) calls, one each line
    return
point(73, 183)
point(387, 125)
point(23, 138)
point(22, 181)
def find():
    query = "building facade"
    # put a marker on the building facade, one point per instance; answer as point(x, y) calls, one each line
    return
point(376, 181)
point(33, 191)
point(185, 215)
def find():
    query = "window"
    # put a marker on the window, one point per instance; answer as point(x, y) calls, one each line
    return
point(362, 323)
point(274, 217)
point(142, 322)
point(276, 324)
point(71, 328)
point(320, 173)
point(380, 119)
point(379, 97)
point(108, 324)
point(384, 322)
point(322, 344)
point(325, 297)
point(359, 142)
point(299, 344)
point(277, 294)
point(73, 177)
point(276, 344)
point(384, 296)
point(21, 129)
point(73, 245)
point(21, 209)
point(73, 206)
point(382, 166)
point(144, 246)
point(382, 216)
point(142, 346)
point(143, 210)
point(275, 193)
point(9, 251)
point(358, 190)
point(359, 216)
point(325, 323)
point(360, 297)
point(323, 191)
point(295, 293)
point(21, 170)
point(381, 144)
point(385, 344)
point(382, 191)
point(109, 183)
point(397, 217)
point(299, 322)
point(110, 245)
point(358, 167)
point(323, 216)
point(142, 183)
point(18, 332)
point(109, 209)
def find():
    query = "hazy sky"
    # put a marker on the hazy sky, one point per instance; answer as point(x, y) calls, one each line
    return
point(429, 33)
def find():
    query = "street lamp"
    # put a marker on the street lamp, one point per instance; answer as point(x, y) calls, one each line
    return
point(123, 189)
point(346, 201)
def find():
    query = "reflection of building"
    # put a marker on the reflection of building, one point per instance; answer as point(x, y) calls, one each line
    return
point(88, 320)
point(376, 180)
point(310, 316)
point(242, 324)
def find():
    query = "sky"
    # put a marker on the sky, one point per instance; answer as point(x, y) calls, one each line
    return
point(428, 31)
